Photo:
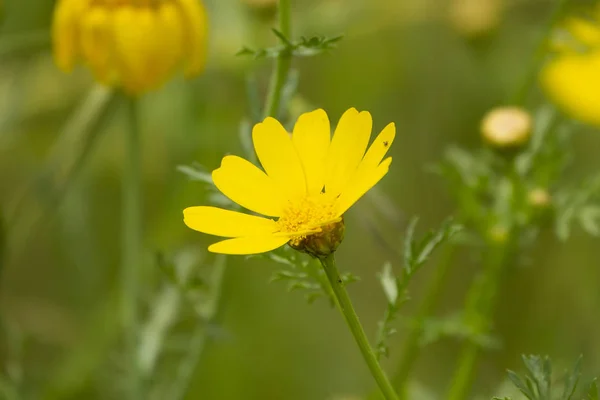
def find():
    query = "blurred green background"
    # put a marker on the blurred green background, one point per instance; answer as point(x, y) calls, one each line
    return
point(432, 66)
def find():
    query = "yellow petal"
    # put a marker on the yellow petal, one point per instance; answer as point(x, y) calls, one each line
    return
point(311, 138)
point(96, 43)
point(133, 30)
point(278, 157)
point(226, 223)
point(361, 185)
point(196, 26)
point(169, 37)
point(248, 186)
point(65, 32)
point(379, 148)
point(572, 82)
point(347, 149)
point(249, 245)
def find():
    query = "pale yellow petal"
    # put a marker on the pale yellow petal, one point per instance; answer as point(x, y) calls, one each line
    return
point(65, 32)
point(311, 138)
point(248, 186)
point(249, 245)
point(97, 43)
point(196, 27)
point(347, 149)
point(226, 223)
point(279, 157)
point(361, 185)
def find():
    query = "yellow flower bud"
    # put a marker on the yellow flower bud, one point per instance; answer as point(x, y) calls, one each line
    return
point(135, 45)
point(506, 127)
point(539, 198)
point(570, 79)
point(475, 17)
point(498, 234)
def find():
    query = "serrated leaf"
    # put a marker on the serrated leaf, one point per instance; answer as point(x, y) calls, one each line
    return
point(409, 245)
point(572, 380)
point(589, 218)
point(195, 174)
point(389, 283)
point(516, 380)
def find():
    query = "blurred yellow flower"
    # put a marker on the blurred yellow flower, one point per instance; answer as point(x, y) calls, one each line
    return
point(133, 44)
point(308, 183)
point(475, 17)
point(571, 79)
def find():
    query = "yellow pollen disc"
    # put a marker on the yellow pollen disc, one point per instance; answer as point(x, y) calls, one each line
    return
point(306, 216)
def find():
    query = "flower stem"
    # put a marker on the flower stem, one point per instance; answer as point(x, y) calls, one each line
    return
point(520, 95)
point(131, 249)
point(282, 63)
point(411, 348)
point(356, 328)
point(481, 301)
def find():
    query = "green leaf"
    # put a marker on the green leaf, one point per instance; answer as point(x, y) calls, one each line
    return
point(593, 391)
point(389, 282)
point(516, 380)
point(572, 380)
point(589, 218)
point(195, 172)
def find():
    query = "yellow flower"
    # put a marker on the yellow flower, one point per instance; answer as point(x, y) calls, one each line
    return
point(571, 78)
point(308, 183)
point(133, 44)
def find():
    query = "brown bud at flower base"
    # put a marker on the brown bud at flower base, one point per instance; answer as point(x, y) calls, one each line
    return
point(506, 127)
point(321, 244)
point(539, 198)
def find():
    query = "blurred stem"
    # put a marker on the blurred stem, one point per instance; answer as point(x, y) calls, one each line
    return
point(411, 348)
point(356, 328)
point(132, 247)
point(481, 301)
point(185, 370)
point(282, 63)
point(529, 78)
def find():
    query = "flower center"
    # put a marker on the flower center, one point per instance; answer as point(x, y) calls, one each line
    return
point(133, 3)
point(307, 215)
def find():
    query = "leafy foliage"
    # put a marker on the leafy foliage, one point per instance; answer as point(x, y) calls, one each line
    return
point(303, 47)
point(537, 383)
point(305, 274)
point(580, 204)
point(416, 254)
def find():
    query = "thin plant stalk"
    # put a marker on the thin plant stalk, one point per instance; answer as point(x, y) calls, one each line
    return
point(411, 348)
point(282, 63)
point(481, 304)
point(356, 328)
point(132, 248)
point(520, 95)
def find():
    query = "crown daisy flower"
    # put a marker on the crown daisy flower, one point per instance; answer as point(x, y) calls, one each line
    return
point(308, 181)
point(135, 45)
point(570, 78)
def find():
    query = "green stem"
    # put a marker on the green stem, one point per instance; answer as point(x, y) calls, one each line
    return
point(282, 63)
point(520, 96)
point(481, 301)
point(411, 348)
point(132, 249)
point(356, 328)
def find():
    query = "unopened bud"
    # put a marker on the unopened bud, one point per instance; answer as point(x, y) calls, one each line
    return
point(321, 244)
point(498, 234)
point(506, 127)
point(539, 198)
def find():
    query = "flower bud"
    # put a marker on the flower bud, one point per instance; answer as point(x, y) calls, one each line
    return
point(130, 44)
point(475, 17)
point(506, 127)
point(498, 234)
point(539, 198)
point(321, 244)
